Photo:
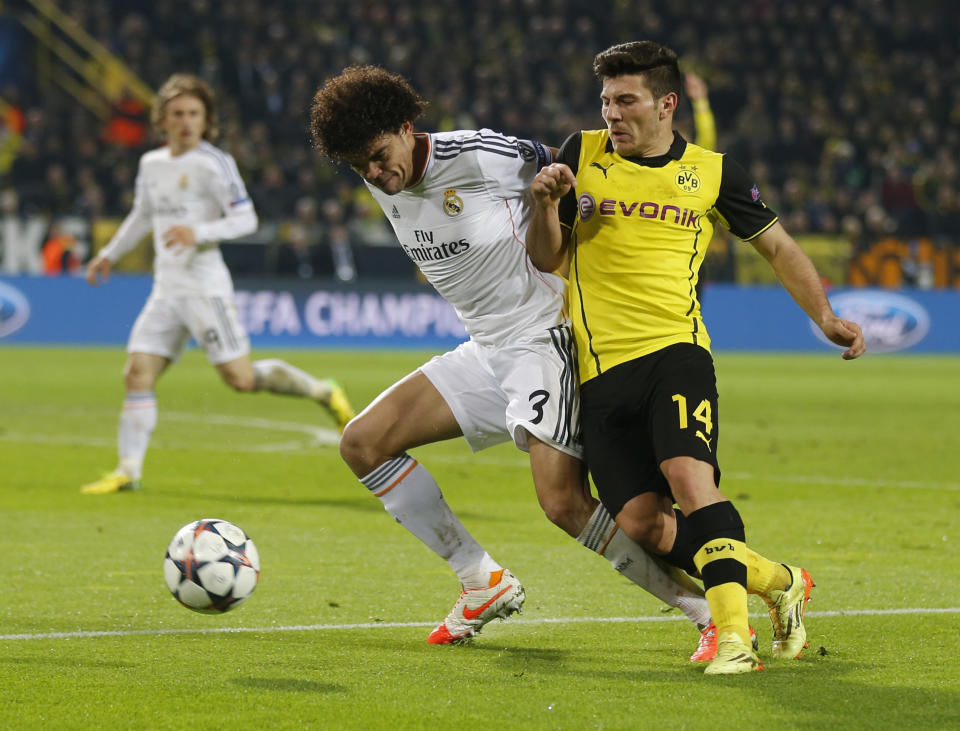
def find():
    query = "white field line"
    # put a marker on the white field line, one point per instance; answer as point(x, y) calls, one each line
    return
point(317, 436)
point(846, 481)
point(321, 436)
point(395, 625)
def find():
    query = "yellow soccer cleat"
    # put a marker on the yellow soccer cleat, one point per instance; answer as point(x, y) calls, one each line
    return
point(112, 482)
point(733, 657)
point(786, 614)
point(707, 648)
point(338, 404)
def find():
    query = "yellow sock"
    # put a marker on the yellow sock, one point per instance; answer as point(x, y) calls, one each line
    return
point(725, 594)
point(728, 605)
point(764, 576)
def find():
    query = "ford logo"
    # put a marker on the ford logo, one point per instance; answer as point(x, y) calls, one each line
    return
point(14, 310)
point(889, 321)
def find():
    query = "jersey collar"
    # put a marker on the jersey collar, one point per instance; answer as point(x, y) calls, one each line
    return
point(424, 139)
point(677, 148)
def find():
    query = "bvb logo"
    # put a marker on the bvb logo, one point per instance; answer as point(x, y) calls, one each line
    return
point(688, 181)
point(452, 203)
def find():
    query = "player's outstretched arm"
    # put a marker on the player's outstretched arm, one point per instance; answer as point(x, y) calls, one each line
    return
point(547, 240)
point(799, 277)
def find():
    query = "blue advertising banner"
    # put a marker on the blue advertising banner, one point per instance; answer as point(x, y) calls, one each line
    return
point(276, 313)
point(315, 314)
point(767, 318)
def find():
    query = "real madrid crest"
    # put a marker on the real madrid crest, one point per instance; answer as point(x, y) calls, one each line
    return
point(687, 179)
point(183, 182)
point(452, 203)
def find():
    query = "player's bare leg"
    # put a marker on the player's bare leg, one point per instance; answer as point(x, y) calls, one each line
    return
point(374, 445)
point(137, 422)
point(564, 494)
point(279, 377)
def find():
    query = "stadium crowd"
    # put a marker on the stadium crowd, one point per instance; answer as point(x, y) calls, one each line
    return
point(847, 114)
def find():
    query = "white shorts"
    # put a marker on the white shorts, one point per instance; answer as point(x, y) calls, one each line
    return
point(499, 394)
point(165, 326)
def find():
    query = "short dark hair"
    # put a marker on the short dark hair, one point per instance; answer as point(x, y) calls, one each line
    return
point(657, 64)
point(350, 111)
point(180, 84)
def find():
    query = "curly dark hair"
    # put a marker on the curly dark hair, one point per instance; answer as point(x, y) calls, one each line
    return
point(350, 111)
point(657, 64)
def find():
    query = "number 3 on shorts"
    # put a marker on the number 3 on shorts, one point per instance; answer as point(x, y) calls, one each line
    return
point(702, 413)
point(537, 401)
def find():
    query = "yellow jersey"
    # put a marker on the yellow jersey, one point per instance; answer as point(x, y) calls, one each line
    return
point(639, 231)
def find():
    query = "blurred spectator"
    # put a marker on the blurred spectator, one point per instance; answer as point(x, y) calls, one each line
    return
point(300, 241)
point(337, 239)
point(271, 195)
point(128, 123)
point(60, 252)
point(859, 101)
point(367, 224)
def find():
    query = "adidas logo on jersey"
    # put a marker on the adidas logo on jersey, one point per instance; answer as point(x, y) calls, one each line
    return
point(395, 213)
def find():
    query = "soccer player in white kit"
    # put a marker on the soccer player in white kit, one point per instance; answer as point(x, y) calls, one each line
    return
point(192, 197)
point(459, 205)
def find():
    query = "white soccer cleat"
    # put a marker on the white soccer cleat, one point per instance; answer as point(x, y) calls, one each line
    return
point(476, 607)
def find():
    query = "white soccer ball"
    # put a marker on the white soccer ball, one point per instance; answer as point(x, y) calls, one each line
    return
point(211, 566)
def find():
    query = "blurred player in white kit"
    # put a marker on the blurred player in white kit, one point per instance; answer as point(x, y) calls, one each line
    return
point(190, 194)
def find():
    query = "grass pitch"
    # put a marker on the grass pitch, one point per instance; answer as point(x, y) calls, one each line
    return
point(849, 469)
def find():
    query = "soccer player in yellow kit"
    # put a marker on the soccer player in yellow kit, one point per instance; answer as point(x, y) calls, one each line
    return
point(634, 205)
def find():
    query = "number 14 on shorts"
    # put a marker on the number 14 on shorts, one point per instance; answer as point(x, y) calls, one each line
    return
point(702, 413)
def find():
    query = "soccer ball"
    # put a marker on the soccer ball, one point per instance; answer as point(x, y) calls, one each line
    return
point(211, 566)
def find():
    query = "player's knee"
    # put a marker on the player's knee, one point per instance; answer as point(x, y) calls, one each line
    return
point(568, 510)
point(557, 512)
point(360, 446)
point(137, 377)
point(644, 528)
point(241, 382)
point(688, 478)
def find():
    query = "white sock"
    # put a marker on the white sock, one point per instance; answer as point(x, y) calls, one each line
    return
point(137, 422)
point(278, 376)
point(411, 495)
point(602, 535)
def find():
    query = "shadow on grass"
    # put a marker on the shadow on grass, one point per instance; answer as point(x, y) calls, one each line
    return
point(68, 662)
point(819, 692)
point(289, 685)
point(814, 692)
point(362, 504)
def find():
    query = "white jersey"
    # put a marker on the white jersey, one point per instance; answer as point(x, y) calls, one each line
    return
point(201, 189)
point(464, 225)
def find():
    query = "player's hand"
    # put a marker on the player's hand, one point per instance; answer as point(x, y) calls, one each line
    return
point(846, 333)
point(696, 87)
point(179, 235)
point(552, 183)
point(98, 270)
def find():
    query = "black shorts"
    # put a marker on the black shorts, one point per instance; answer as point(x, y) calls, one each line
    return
point(644, 411)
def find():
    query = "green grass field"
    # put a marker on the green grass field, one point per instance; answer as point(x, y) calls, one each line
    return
point(849, 469)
